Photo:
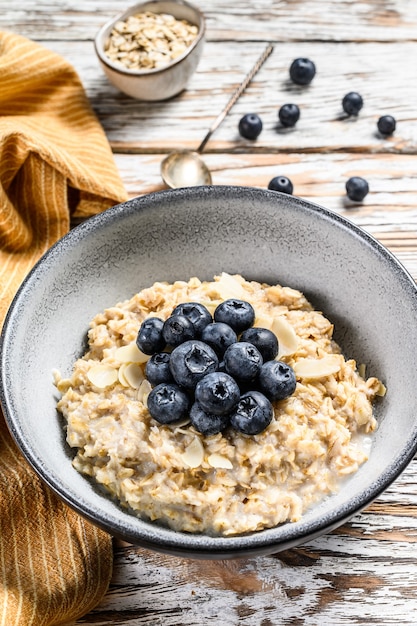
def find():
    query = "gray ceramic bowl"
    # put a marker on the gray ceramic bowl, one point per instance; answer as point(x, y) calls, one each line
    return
point(156, 84)
point(202, 231)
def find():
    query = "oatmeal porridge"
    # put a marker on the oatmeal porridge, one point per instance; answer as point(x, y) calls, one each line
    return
point(228, 482)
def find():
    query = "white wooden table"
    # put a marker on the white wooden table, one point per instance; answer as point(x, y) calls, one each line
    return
point(366, 571)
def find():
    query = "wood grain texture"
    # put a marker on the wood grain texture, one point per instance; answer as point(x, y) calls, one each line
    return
point(366, 571)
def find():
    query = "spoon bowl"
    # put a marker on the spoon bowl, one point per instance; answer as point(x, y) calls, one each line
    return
point(185, 169)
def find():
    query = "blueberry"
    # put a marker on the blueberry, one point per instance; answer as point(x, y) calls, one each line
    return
point(219, 336)
point(357, 188)
point(386, 124)
point(253, 413)
point(281, 183)
point(150, 339)
point(289, 114)
point(238, 314)
point(217, 393)
point(302, 71)
point(250, 126)
point(265, 340)
point(177, 329)
point(168, 403)
point(206, 423)
point(242, 361)
point(277, 380)
point(157, 369)
point(352, 103)
point(197, 313)
point(190, 361)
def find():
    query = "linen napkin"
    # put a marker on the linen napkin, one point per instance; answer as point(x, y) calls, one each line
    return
point(55, 163)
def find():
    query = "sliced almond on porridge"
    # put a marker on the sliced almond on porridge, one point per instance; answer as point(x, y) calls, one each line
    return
point(229, 287)
point(219, 461)
point(194, 453)
point(318, 368)
point(261, 321)
point(130, 354)
point(102, 375)
point(287, 339)
point(144, 391)
point(133, 375)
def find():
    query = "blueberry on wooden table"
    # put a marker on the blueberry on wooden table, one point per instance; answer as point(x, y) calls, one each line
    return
point(167, 403)
point(302, 71)
point(253, 413)
point(352, 103)
point(357, 188)
point(386, 124)
point(238, 314)
point(150, 339)
point(289, 114)
point(207, 423)
point(217, 393)
point(282, 184)
point(250, 126)
point(277, 380)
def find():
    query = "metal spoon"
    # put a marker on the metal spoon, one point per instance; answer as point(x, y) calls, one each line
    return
point(185, 168)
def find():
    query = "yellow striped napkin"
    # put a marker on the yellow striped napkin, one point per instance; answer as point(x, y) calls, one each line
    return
point(55, 163)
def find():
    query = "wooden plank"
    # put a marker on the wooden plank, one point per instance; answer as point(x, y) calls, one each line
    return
point(253, 20)
point(378, 73)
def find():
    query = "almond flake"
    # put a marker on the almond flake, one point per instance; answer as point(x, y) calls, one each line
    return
point(318, 368)
point(144, 391)
point(133, 375)
point(102, 375)
point(263, 322)
point(228, 287)
point(121, 375)
point(287, 338)
point(130, 354)
point(219, 461)
point(194, 453)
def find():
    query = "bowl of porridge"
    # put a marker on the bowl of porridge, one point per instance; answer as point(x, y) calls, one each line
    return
point(151, 50)
point(127, 373)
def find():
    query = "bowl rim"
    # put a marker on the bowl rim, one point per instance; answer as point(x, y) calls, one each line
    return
point(99, 48)
point(153, 536)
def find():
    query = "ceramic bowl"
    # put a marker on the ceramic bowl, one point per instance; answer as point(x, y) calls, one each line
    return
point(156, 84)
point(202, 231)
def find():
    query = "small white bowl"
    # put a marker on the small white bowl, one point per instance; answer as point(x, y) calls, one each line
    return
point(161, 83)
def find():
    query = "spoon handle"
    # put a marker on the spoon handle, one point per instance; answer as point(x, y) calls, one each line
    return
point(237, 93)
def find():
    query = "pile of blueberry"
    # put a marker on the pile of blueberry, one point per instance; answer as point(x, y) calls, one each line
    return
point(219, 371)
point(302, 72)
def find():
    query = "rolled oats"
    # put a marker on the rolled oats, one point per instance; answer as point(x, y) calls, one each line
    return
point(148, 41)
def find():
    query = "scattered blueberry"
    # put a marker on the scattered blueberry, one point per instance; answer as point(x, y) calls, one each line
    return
point(243, 361)
point(357, 188)
point(149, 339)
point(281, 183)
point(277, 380)
point(265, 340)
point(197, 313)
point(289, 114)
point(250, 126)
point(190, 361)
point(352, 103)
point(219, 336)
point(177, 329)
point(168, 403)
point(157, 369)
point(386, 124)
point(238, 314)
point(205, 423)
point(302, 71)
point(217, 393)
point(253, 413)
